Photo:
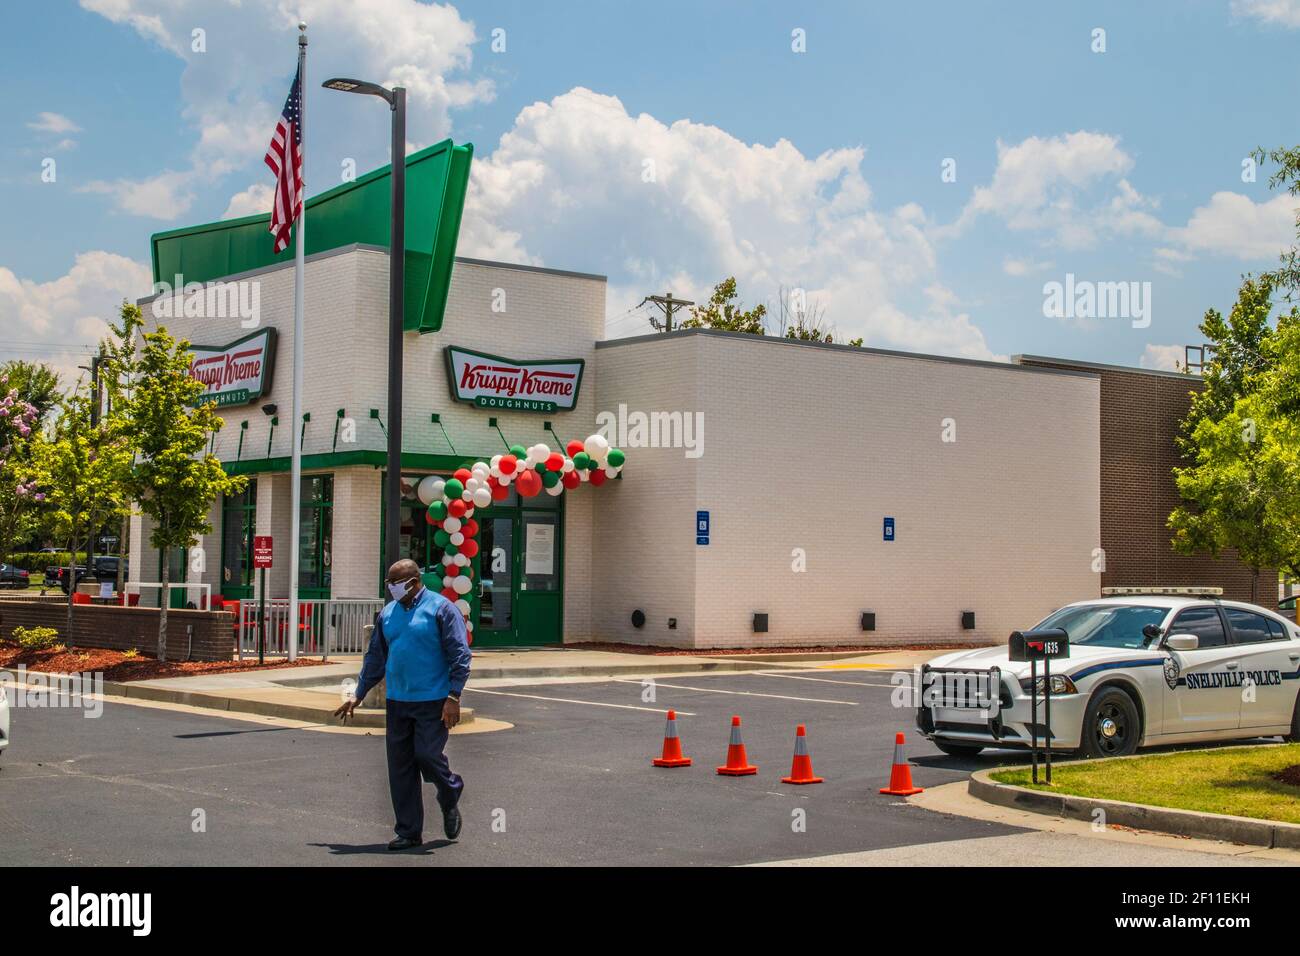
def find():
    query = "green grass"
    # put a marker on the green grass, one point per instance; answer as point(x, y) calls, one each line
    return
point(1235, 781)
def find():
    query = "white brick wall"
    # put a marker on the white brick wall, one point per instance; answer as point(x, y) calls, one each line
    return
point(811, 448)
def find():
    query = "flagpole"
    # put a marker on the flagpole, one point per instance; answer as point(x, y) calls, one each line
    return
point(299, 269)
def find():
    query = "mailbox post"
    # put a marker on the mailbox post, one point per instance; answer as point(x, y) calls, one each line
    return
point(1044, 645)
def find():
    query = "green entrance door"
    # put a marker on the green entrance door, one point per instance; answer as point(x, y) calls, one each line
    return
point(539, 596)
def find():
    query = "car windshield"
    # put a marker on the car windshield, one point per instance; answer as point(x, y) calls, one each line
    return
point(1106, 625)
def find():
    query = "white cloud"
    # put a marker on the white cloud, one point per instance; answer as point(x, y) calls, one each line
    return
point(1022, 267)
point(54, 124)
point(1283, 12)
point(253, 201)
point(1070, 187)
point(1233, 225)
point(567, 186)
point(1166, 357)
point(234, 89)
point(165, 196)
point(51, 321)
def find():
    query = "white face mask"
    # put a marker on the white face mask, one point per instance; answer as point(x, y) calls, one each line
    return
point(398, 590)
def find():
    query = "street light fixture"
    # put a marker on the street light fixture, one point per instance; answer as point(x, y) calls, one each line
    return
point(396, 100)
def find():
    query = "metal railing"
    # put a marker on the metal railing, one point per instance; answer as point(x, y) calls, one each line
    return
point(325, 627)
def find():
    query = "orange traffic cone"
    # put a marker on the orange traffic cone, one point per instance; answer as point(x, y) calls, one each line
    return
point(801, 770)
point(900, 775)
point(672, 746)
point(737, 763)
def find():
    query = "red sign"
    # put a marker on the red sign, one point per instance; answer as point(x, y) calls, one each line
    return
point(261, 550)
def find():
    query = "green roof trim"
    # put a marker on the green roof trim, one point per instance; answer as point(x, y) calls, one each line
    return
point(437, 179)
point(344, 459)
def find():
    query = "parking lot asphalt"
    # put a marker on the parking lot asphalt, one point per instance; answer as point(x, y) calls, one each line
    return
point(570, 784)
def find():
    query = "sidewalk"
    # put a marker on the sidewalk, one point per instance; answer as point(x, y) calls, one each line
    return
point(312, 693)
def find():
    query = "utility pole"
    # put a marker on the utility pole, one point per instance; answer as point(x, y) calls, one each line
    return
point(668, 305)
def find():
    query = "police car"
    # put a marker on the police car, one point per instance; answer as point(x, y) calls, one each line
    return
point(1146, 667)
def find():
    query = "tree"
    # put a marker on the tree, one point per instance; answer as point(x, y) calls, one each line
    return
point(83, 470)
point(174, 480)
point(1235, 440)
point(1286, 278)
point(118, 372)
point(27, 392)
point(804, 321)
point(723, 312)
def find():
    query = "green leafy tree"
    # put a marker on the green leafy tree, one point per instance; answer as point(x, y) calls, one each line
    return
point(82, 470)
point(19, 497)
point(1286, 278)
point(723, 312)
point(174, 480)
point(118, 372)
point(1234, 485)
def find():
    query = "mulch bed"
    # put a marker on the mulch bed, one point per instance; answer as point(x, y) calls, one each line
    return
point(846, 649)
point(1289, 775)
point(116, 666)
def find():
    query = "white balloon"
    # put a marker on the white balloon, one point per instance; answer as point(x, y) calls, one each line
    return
point(495, 462)
point(567, 467)
point(482, 497)
point(458, 539)
point(446, 580)
point(448, 559)
point(467, 496)
point(429, 489)
point(596, 446)
point(469, 512)
point(471, 484)
point(469, 625)
point(610, 472)
point(555, 489)
point(459, 560)
point(463, 606)
point(451, 525)
point(461, 584)
point(584, 475)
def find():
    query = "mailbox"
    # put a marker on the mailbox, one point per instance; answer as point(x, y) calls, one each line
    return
point(1048, 644)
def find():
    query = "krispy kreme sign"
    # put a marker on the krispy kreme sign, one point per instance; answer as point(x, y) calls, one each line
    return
point(237, 373)
point(491, 381)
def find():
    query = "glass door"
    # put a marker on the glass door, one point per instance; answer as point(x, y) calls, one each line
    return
point(539, 597)
point(496, 577)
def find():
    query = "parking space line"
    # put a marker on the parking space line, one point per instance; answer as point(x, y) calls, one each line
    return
point(821, 680)
point(569, 700)
point(741, 693)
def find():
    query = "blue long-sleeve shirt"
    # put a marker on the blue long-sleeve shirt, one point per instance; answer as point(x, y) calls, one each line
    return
point(422, 651)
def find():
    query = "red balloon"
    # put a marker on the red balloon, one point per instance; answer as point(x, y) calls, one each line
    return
point(597, 477)
point(507, 464)
point(570, 480)
point(469, 548)
point(529, 482)
point(449, 594)
point(462, 475)
point(470, 528)
point(554, 461)
point(457, 508)
point(500, 493)
point(430, 519)
point(574, 447)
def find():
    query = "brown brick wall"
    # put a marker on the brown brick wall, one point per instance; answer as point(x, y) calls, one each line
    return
point(1140, 416)
point(123, 628)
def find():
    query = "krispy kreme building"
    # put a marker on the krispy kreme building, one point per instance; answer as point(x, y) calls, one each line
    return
point(768, 492)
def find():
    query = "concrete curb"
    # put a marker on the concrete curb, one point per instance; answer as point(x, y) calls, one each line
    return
point(362, 717)
point(1139, 816)
point(604, 670)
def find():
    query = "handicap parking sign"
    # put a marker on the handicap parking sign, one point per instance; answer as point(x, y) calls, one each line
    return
point(701, 527)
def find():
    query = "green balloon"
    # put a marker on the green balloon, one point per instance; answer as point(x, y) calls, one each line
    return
point(441, 538)
point(438, 510)
point(550, 479)
point(582, 460)
point(451, 548)
point(616, 457)
point(519, 451)
point(453, 489)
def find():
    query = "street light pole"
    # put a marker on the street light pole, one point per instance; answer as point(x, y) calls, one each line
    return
point(396, 100)
point(396, 317)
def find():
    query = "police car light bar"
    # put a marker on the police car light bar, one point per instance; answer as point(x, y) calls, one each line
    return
point(1186, 592)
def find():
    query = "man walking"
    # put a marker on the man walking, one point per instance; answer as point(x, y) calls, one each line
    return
point(419, 647)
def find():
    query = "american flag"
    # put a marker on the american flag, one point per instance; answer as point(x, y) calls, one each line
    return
point(284, 156)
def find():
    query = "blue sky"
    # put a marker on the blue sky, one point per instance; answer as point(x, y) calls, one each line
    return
point(818, 169)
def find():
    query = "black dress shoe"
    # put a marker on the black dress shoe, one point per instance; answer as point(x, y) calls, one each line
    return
point(451, 823)
point(405, 843)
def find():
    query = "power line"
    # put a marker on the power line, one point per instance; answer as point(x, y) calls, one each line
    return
point(668, 305)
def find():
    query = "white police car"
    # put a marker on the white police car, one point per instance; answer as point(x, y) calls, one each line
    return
point(1146, 667)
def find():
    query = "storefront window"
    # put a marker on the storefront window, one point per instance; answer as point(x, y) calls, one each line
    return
point(315, 535)
point(238, 524)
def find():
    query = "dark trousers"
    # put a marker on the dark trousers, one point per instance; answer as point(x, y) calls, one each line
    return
point(416, 737)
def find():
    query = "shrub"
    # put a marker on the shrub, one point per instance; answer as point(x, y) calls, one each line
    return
point(36, 638)
point(38, 562)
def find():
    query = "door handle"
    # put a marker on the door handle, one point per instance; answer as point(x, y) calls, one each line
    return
point(1294, 657)
point(1232, 665)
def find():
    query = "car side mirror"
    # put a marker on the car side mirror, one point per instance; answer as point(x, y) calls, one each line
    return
point(1182, 642)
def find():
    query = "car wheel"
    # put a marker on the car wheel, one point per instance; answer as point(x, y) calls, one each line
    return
point(1111, 726)
point(958, 750)
point(1294, 736)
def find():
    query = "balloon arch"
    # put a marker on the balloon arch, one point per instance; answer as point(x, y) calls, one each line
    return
point(533, 471)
